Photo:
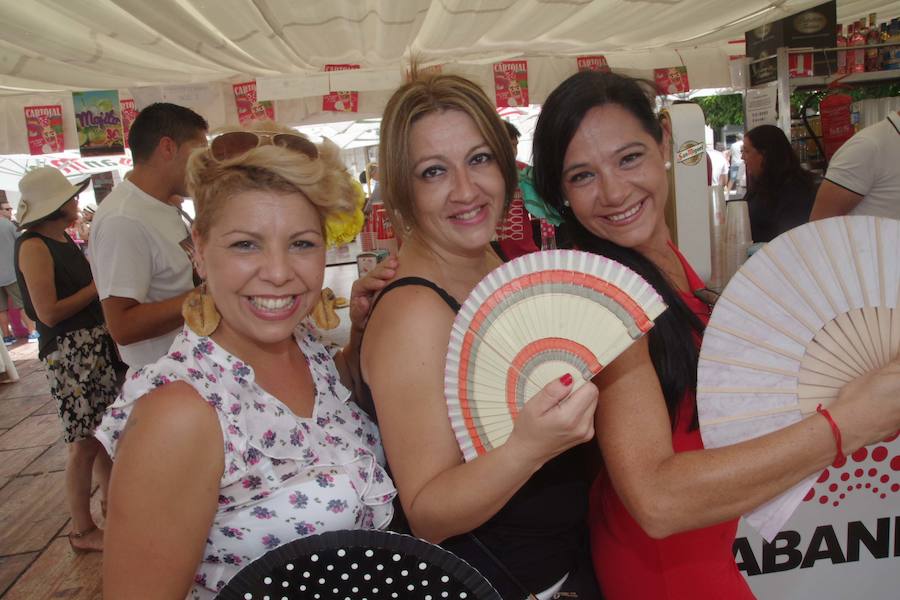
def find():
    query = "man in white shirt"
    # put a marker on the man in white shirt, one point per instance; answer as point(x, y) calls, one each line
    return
point(140, 266)
point(863, 177)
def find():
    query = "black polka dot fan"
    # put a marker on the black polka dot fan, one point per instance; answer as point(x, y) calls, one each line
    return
point(358, 565)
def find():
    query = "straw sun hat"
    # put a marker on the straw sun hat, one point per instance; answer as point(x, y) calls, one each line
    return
point(44, 190)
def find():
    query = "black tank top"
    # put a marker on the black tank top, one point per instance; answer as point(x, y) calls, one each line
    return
point(71, 272)
point(538, 535)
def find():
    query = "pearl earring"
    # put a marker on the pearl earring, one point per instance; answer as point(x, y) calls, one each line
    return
point(566, 203)
point(668, 165)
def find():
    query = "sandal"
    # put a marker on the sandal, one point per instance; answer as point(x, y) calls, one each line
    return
point(77, 535)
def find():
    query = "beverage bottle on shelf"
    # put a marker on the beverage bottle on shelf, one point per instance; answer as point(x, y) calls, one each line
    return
point(841, 54)
point(872, 37)
point(857, 58)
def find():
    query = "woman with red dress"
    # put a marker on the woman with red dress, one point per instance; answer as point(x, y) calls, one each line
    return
point(664, 511)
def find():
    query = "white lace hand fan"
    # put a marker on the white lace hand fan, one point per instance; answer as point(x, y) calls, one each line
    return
point(813, 309)
point(530, 321)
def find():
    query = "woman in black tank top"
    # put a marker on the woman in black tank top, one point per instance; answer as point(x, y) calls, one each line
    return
point(80, 357)
point(518, 512)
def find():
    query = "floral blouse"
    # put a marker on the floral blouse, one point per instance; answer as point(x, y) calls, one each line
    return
point(285, 476)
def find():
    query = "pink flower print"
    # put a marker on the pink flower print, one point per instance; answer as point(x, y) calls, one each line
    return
point(371, 439)
point(336, 506)
point(259, 496)
point(354, 415)
point(204, 346)
point(178, 356)
point(212, 559)
point(363, 474)
point(194, 373)
point(251, 482)
point(253, 456)
point(118, 414)
point(359, 432)
point(232, 559)
point(298, 500)
point(379, 476)
point(214, 400)
point(225, 500)
point(323, 421)
point(235, 408)
point(325, 480)
point(240, 371)
point(211, 378)
point(259, 406)
point(304, 528)
point(339, 420)
point(290, 475)
point(159, 380)
point(296, 437)
point(333, 440)
point(268, 439)
point(231, 532)
point(200, 579)
point(260, 512)
point(270, 541)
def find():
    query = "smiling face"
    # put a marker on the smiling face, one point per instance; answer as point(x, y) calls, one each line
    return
point(614, 178)
point(457, 186)
point(263, 259)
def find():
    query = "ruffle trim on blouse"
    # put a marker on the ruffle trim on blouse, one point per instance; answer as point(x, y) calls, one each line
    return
point(323, 440)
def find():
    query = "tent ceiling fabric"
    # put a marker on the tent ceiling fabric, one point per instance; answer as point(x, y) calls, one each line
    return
point(189, 51)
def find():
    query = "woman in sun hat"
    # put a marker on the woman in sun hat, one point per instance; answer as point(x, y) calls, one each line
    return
point(78, 353)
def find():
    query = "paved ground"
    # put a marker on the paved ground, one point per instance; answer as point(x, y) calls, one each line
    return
point(35, 559)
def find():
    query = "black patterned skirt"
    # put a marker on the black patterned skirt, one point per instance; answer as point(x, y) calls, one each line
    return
point(83, 379)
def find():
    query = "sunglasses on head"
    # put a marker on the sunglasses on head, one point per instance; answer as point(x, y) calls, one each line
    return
point(235, 143)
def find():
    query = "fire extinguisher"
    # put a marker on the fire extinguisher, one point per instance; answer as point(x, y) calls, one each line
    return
point(837, 126)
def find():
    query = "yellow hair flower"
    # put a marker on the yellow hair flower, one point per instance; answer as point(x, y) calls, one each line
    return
point(343, 227)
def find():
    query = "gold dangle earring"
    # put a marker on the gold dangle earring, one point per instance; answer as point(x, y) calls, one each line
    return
point(199, 311)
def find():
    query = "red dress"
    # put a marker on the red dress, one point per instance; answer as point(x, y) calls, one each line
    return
point(695, 564)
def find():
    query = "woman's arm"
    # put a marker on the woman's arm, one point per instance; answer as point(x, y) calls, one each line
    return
point(403, 360)
point(163, 495)
point(667, 492)
point(36, 265)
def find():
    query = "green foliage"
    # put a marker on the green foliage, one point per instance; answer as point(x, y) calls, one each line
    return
point(722, 110)
point(883, 90)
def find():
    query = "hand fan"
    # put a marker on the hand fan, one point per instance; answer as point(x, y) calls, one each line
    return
point(358, 564)
point(531, 321)
point(815, 308)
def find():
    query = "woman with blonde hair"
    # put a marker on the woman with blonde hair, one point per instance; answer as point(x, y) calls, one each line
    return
point(244, 436)
point(517, 513)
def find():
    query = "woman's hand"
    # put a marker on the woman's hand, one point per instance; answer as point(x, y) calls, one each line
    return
point(554, 420)
point(868, 408)
point(365, 288)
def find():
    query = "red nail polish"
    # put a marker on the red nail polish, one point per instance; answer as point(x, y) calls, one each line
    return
point(566, 379)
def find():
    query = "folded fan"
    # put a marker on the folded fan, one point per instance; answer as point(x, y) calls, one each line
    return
point(529, 322)
point(815, 308)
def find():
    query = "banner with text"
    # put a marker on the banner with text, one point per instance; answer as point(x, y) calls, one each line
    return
point(511, 83)
point(44, 125)
point(341, 101)
point(249, 108)
point(98, 119)
point(593, 63)
point(843, 541)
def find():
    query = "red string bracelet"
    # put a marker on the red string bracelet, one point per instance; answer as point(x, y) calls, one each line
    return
point(839, 457)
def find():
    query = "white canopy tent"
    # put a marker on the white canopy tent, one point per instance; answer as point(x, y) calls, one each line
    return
point(191, 51)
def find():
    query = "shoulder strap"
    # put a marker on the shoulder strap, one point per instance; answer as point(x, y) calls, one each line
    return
point(404, 281)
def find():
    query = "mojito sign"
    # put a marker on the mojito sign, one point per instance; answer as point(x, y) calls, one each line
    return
point(98, 119)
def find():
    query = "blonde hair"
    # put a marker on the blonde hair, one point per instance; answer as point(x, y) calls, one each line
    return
point(323, 181)
point(424, 95)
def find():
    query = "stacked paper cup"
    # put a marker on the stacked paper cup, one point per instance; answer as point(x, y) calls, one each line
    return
point(717, 237)
point(737, 237)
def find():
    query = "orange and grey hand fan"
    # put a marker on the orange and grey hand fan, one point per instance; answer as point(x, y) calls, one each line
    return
point(815, 308)
point(530, 321)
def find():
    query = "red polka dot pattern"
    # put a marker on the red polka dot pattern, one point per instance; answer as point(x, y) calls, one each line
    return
point(872, 470)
